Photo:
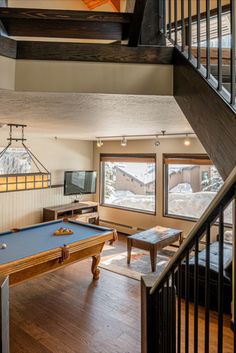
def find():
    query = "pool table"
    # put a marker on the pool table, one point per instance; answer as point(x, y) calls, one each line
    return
point(34, 250)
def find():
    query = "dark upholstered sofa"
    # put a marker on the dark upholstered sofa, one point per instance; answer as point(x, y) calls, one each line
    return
point(214, 273)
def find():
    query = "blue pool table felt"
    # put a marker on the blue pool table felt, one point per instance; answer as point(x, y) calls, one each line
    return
point(36, 239)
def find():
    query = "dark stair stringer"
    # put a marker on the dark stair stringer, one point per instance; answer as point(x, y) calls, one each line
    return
point(211, 118)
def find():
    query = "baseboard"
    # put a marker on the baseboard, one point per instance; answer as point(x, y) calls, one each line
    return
point(122, 228)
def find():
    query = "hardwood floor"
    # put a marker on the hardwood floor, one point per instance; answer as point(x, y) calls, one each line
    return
point(66, 312)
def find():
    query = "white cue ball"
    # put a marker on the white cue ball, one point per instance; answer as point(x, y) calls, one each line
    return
point(4, 246)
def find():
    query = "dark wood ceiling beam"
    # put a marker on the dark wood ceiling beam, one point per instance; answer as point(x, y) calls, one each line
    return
point(65, 24)
point(93, 52)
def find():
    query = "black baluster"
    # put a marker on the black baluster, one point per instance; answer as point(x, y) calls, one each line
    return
point(220, 281)
point(232, 59)
point(208, 51)
point(182, 26)
point(198, 34)
point(234, 270)
point(196, 296)
point(207, 279)
point(173, 310)
point(176, 27)
point(187, 303)
point(164, 17)
point(167, 315)
point(170, 25)
point(189, 29)
point(219, 30)
point(179, 309)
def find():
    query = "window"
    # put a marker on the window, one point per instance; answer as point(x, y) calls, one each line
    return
point(191, 182)
point(129, 182)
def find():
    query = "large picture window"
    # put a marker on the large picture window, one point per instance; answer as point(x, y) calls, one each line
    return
point(129, 182)
point(191, 182)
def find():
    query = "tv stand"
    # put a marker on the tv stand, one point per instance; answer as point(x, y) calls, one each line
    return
point(86, 212)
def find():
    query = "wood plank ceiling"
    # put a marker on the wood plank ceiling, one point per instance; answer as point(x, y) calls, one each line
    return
point(92, 4)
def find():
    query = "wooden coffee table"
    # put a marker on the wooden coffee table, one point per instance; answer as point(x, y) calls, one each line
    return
point(152, 240)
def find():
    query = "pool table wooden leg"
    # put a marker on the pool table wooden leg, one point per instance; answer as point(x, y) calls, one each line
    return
point(95, 270)
point(129, 249)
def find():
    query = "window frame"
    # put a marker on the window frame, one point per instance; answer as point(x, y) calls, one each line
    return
point(182, 156)
point(101, 183)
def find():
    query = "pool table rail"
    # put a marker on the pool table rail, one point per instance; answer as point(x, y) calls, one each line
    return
point(26, 268)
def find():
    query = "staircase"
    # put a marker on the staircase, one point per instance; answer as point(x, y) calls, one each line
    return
point(166, 303)
point(204, 87)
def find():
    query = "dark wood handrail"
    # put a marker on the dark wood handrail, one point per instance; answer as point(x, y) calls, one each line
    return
point(221, 199)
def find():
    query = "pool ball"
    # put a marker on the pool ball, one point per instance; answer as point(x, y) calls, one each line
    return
point(3, 246)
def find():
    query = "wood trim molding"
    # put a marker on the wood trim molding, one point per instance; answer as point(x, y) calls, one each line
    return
point(93, 52)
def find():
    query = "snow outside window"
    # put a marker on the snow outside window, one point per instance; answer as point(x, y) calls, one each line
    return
point(129, 182)
point(190, 187)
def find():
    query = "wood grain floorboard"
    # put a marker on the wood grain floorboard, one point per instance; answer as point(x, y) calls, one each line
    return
point(66, 312)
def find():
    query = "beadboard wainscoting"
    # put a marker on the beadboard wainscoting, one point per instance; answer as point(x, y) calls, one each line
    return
point(23, 208)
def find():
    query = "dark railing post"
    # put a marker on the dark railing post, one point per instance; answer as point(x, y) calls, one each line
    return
point(137, 21)
point(4, 315)
point(148, 313)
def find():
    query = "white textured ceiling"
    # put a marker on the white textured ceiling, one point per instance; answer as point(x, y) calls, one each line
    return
point(85, 116)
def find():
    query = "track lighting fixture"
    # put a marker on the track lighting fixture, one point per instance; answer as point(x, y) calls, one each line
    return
point(187, 141)
point(99, 143)
point(157, 142)
point(124, 142)
point(123, 139)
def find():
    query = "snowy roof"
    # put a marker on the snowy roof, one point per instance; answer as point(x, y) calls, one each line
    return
point(177, 168)
point(139, 172)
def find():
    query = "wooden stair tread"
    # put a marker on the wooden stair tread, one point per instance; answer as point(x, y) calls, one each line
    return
point(63, 15)
point(65, 23)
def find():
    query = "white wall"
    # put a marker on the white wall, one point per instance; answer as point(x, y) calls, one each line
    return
point(57, 155)
point(140, 220)
point(25, 207)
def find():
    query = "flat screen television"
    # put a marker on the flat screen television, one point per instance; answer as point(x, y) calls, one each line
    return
point(80, 182)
